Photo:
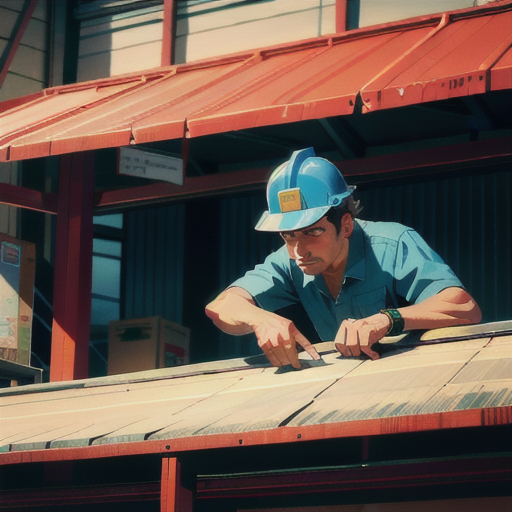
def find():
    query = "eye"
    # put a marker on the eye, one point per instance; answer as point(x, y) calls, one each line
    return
point(314, 231)
point(287, 236)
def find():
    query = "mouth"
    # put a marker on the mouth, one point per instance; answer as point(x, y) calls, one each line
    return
point(306, 263)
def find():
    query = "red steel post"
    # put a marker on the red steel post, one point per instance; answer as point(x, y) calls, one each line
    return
point(73, 269)
point(169, 32)
point(174, 497)
point(341, 15)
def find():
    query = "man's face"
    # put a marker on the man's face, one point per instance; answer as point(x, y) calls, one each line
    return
point(318, 248)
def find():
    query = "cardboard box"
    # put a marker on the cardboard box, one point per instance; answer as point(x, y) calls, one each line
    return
point(146, 344)
point(17, 274)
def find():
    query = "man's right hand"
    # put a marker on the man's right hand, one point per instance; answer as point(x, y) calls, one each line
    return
point(278, 338)
point(235, 312)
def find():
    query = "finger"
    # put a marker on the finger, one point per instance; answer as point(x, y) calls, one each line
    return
point(269, 352)
point(286, 349)
point(342, 349)
point(289, 352)
point(367, 340)
point(352, 340)
point(370, 353)
point(306, 345)
point(341, 337)
point(282, 355)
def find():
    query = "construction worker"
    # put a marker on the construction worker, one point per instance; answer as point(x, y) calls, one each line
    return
point(358, 281)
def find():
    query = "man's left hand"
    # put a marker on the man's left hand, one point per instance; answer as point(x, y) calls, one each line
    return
point(356, 336)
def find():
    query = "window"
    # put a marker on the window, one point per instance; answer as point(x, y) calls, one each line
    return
point(106, 287)
point(106, 269)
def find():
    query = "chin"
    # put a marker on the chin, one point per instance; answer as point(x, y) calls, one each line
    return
point(313, 270)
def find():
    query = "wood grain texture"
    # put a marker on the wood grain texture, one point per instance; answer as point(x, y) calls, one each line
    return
point(415, 388)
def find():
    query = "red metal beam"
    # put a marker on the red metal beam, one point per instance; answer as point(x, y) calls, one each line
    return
point(32, 499)
point(428, 161)
point(192, 188)
point(396, 475)
point(396, 425)
point(341, 15)
point(169, 32)
point(366, 478)
point(173, 496)
point(15, 39)
point(414, 163)
point(73, 269)
point(28, 198)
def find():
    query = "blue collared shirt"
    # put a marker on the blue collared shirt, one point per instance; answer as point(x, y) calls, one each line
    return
point(389, 265)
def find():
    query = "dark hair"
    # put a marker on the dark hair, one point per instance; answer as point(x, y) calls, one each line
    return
point(334, 215)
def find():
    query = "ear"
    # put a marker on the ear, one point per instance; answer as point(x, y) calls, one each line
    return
point(347, 225)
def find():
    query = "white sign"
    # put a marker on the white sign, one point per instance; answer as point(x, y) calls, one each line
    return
point(146, 164)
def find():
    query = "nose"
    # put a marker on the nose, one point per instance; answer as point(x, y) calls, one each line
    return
point(301, 249)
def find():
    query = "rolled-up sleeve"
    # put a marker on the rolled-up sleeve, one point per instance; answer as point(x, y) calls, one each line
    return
point(419, 271)
point(270, 283)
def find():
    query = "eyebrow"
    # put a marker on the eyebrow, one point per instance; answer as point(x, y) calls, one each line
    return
point(305, 231)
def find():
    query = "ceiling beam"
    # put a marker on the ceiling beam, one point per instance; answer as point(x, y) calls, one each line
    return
point(346, 141)
point(30, 199)
point(421, 162)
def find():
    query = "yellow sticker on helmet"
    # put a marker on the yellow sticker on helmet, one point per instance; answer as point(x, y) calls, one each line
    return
point(289, 200)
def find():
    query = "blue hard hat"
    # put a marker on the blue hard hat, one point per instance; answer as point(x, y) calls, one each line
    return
point(301, 191)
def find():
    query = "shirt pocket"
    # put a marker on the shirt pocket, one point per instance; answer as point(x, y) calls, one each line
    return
point(369, 303)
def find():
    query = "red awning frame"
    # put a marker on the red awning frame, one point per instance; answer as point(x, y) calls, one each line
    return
point(395, 64)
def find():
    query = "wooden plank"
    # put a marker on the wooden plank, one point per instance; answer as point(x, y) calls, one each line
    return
point(465, 332)
point(108, 399)
point(485, 381)
point(13, 432)
point(109, 414)
point(376, 388)
point(343, 397)
point(437, 421)
point(260, 401)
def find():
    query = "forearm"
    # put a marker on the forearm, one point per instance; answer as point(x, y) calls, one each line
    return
point(452, 306)
point(234, 311)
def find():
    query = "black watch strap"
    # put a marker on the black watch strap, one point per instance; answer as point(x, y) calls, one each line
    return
point(397, 322)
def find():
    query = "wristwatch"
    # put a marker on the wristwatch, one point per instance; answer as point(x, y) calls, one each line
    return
point(397, 322)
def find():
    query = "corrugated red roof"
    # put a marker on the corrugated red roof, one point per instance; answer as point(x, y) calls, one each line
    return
point(424, 59)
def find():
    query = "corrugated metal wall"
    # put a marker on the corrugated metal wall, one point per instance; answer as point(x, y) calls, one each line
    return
point(154, 263)
point(120, 43)
point(28, 70)
point(467, 220)
point(207, 29)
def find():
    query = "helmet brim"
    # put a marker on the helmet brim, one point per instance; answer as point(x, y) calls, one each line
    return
point(291, 221)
